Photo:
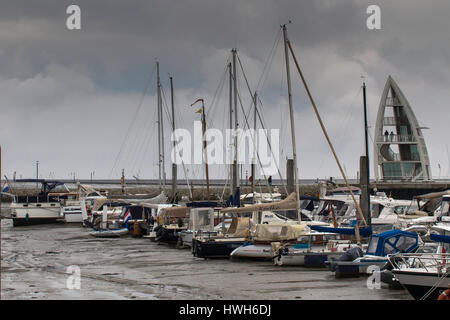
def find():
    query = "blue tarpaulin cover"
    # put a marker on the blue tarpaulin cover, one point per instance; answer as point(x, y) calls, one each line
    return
point(365, 232)
point(440, 238)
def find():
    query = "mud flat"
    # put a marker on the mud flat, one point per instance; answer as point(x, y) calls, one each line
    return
point(35, 261)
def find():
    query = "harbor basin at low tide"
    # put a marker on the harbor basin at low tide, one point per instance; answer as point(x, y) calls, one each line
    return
point(35, 260)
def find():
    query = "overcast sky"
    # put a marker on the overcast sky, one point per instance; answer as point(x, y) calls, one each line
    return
point(74, 99)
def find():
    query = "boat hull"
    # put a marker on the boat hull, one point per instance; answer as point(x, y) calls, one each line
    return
point(167, 235)
point(18, 222)
point(186, 239)
point(32, 214)
point(347, 269)
point(214, 249)
point(307, 259)
point(72, 214)
point(252, 251)
point(109, 233)
point(419, 283)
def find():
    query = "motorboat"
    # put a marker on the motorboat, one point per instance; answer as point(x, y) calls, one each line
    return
point(42, 208)
point(201, 223)
point(355, 263)
point(425, 275)
point(86, 196)
point(169, 224)
point(313, 249)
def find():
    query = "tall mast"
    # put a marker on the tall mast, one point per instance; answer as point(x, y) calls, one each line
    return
point(204, 147)
point(358, 207)
point(163, 164)
point(158, 91)
point(291, 112)
point(235, 164)
point(253, 170)
point(230, 75)
point(366, 205)
point(204, 142)
point(174, 165)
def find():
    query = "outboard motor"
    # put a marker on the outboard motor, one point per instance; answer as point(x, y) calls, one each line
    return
point(351, 254)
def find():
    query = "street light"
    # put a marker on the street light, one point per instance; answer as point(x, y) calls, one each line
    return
point(37, 172)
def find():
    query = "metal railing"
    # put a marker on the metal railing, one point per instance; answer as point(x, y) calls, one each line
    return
point(439, 262)
point(396, 138)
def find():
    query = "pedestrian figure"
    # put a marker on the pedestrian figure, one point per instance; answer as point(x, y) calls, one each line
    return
point(392, 136)
point(386, 135)
point(270, 180)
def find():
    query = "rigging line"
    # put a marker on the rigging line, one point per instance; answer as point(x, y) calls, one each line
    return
point(438, 282)
point(342, 130)
point(326, 134)
point(144, 144)
point(270, 147)
point(250, 91)
point(137, 146)
point(147, 146)
point(254, 147)
point(134, 118)
point(138, 142)
point(269, 61)
point(218, 92)
point(166, 106)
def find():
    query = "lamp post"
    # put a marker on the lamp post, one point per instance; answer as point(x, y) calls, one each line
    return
point(37, 172)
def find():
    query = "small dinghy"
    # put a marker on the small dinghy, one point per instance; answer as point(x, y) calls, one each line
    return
point(108, 233)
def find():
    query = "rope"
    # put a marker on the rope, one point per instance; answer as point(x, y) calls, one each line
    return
point(438, 282)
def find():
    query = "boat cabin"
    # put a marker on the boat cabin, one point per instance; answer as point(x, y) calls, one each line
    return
point(391, 242)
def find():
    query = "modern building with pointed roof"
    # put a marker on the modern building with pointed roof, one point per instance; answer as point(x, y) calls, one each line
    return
point(399, 148)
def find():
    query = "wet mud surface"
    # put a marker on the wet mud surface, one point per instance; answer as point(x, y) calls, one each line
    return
point(35, 261)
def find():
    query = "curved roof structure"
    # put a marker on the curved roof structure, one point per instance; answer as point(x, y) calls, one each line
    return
point(400, 151)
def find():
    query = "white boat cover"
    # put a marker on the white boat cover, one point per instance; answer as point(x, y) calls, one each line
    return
point(159, 199)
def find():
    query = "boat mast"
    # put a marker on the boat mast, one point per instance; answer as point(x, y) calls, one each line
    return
point(204, 142)
point(232, 181)
point(366, 204)
point(174, 165)
point(158, 91)
point(0, 220)
point(358, 207)
point(163, 162)
point(291, 112)
point(204, 147)
point(235, 164)
point(253, 169)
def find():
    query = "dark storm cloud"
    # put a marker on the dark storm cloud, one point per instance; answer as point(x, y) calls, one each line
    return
point(87, 83)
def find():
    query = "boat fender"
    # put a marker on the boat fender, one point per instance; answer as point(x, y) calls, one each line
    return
point(444, 255)
point(445, 295)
